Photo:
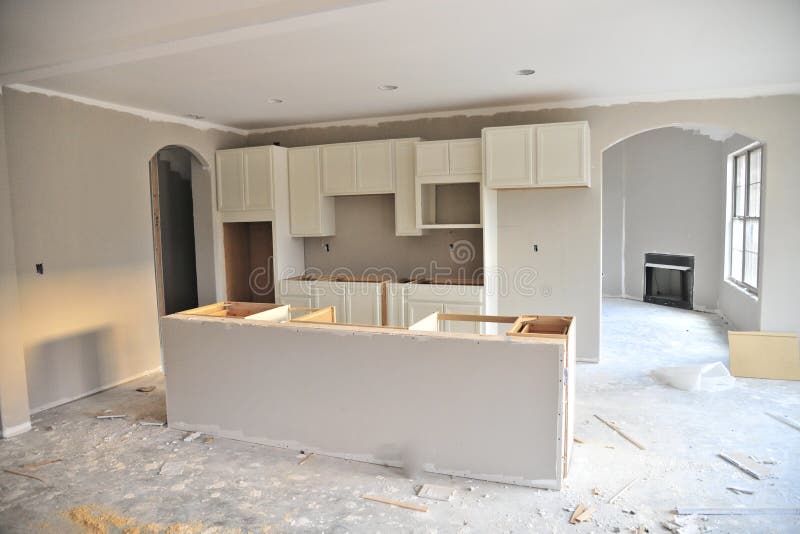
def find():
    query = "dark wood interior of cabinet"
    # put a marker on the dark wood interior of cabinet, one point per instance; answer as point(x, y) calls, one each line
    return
point(249, 273)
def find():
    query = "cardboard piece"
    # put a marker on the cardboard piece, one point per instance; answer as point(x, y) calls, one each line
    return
point(772, 355)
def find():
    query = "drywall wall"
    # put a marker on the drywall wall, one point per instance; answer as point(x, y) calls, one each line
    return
point(14, 409)
point(565, 277)
point(613, 220)
point(81, 204)
point(365, 242)
point(378, 397)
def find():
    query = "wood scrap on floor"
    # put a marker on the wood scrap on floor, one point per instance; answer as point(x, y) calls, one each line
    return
point(619, 431)
point(22, 474)
point(42, 463)
point(685, 510)
point(623, 490)
point(581, 514)
point(193, 436)
point(112, 416)
point(437, 493)
point(399, 504)
point(152, 423)
point(740, 491)
point(595, 491)
point(745, 464)
point(785, 420)
point(579, 440)
point(145, 389)
point(305, 458)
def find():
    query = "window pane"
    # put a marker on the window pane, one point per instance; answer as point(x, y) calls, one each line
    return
point(739, 208)
point(751, 268)
point(751, 236)
point(754, 201)
point(737, 234)
point(755, 166)
point(736, 264)
point(741, 162)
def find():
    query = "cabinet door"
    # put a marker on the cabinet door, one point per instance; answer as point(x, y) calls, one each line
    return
point(258, 178)
point(465, 156)
point(509, 156)
point(433, 158)
point(462, 327)
point(230, 180)
point(374, 173)
point(561, 155)
point(296, 301)
point(365, 303)
point(405, 214)
point(338, 169)
point(333, 294)
point(304, 194)
point(418, 310)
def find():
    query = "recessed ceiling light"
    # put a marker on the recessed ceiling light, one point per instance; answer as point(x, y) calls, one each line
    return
point(388, 87)
point(275, 101)
point(194, 116)
point(525, 72)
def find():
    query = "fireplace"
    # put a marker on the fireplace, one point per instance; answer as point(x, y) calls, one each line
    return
point(669, 279)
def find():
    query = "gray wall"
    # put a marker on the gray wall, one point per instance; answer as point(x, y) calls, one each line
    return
point(365, 240)
point(81, 204)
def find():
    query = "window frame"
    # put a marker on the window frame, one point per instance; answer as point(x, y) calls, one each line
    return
point(731, 215)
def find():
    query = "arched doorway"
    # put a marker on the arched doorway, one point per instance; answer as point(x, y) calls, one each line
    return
point(666, 194)
point(175, 228)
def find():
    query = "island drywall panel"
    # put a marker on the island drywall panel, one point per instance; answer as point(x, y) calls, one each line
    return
point(480, 408)
point(772, 120)
point(13, 384)
point(81, 201)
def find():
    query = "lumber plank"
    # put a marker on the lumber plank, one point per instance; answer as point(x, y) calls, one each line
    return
point(619, 431)
point(399, 504)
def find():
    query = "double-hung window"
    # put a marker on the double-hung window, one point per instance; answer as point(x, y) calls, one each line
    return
point(745, 168)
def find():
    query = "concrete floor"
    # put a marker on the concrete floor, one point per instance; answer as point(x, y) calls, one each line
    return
point(109, 481)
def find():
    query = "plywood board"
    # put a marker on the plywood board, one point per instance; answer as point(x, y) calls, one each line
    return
point(764, 355)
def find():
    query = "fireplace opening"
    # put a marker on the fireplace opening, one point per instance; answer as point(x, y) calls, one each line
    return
point(669, 279)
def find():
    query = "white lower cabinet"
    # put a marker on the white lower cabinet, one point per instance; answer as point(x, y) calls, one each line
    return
point(355, 302)
point(425, 299)
point(365, 303)
point(463, 327)
point(417, 310)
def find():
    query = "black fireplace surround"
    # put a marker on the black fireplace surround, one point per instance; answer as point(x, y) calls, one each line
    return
point(669, 279)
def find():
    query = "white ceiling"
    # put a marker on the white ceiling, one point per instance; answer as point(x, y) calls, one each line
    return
point(326, 58)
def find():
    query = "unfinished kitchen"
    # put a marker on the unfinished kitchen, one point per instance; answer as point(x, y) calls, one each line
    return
point(399, 266)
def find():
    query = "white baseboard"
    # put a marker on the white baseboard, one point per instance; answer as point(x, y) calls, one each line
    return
point(15, 430)
point(104, 387)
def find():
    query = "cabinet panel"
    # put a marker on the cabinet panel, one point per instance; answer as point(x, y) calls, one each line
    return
point(230, 180)
point(462, 327)
point(365, 303)
point(433, 158)
point(405, 216)
point(419, 309)
point(304, 193)
point(296, 301)
point(509, 156)
point(465, 156)
point(561, 155)
point(338, 169)
point(374, 173)
point(333, 294)
point(258, 178)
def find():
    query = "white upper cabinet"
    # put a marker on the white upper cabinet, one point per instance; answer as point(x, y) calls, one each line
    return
point(338, 169)
point(230, 180)
point(258, 178)
point(465, 156)
point(310, 214)
point(374, 170)
point(433, 158)
point(357, 168)
point(405, 214)
point(509, 156)
point(562, 154)
point(245, 179)
point(543, 155)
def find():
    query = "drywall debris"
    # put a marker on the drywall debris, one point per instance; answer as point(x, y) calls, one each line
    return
point(399, 504)
point(745, 464)
point(437, 493)
point(191, 437)
point(705, 377)
point(623, 490)
point(785, 420)
point(145, 389)
point(152, 423)
point(171, 469)
point(619, 431)
point(685, 510)
point(114, 416)
point(28, 475)
point(40, 464)
point(684, 525)
point(740, 491)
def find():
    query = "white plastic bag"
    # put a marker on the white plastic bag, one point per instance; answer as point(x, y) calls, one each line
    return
point(705, 377)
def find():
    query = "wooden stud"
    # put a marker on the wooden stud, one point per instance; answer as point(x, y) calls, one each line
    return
point(399, 504)
point(619, 431)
